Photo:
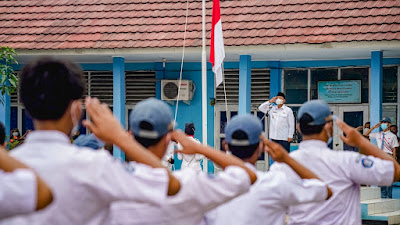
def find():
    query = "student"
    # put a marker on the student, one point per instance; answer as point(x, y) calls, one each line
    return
point(21, 190)
point(342, 171)
point(272, 194)
point(151, 123)
point(190, 161)
point(84, 182)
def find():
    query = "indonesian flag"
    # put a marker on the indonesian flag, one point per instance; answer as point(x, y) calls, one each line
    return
point(217, 53)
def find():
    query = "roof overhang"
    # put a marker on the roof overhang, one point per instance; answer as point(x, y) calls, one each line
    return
point(289, 52)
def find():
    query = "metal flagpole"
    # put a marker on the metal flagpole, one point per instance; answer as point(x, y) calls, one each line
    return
point(204, 84)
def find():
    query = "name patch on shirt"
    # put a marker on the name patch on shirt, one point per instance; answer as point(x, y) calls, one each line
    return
point(367, 163)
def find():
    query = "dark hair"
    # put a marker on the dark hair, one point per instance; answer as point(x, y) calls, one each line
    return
point(242, 152)
point(393, 126)
point(307, 129)
point(367, 123)
point(2, 133)
point(189, 129)
point(48, 85)
point(147, 142)
point(281, 94)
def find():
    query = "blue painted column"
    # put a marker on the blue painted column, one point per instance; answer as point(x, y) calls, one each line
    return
point(245, 84)
point(5, 114)
point(376, 89)
point(119, 97)
point(275, 79)
point(160, 73)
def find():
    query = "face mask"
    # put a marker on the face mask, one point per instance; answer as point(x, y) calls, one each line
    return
point(384, 126)
point(279, 101)
point(15, 134)
point(74, 119)
point(330, 140)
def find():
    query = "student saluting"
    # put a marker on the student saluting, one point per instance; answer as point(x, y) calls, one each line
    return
point(272, 194)
point(84, 182)
point(342, 171)
point(151, 124)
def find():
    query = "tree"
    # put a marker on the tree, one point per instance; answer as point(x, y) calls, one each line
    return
point(9, 81)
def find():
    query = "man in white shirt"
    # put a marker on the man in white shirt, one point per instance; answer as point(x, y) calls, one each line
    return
point(281, 120)
point(21, 190)
point(272, 194)
point(388, 143)
point(343, 172)
point(151, 123)
point(84, 182)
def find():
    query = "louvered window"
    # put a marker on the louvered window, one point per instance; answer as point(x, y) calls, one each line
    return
point(140, 85)
point(100, 85)
point(260, 82)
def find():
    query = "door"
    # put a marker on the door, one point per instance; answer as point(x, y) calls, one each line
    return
point(222, 117)
point(353, 115)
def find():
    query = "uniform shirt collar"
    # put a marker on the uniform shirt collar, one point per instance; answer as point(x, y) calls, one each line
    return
point(45, 136)
point(313, 144)
point(387, 132)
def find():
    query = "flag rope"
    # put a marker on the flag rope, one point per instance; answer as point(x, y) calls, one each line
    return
point(183, 57)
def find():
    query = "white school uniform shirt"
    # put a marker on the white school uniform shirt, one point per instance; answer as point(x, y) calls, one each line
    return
point(17, 192)
point(267, 201)
point(190, 161)
point(199, 193)
point(84, 182)
point(281, 121)
point(390, 143)
point(343, 172)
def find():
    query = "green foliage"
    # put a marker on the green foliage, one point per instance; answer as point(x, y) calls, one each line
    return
point(9, 81)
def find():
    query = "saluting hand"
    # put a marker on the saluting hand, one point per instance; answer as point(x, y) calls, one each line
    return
point(103, 123)
point(353, 137)
point(277, 152)
point(189, 146)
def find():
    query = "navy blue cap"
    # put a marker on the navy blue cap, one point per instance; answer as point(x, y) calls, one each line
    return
point(386, 119)
point(247, 123)
point(318, 110)
point(155, 112)
point(90, 141)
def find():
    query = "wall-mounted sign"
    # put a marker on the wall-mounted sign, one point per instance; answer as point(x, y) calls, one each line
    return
point(342, 91)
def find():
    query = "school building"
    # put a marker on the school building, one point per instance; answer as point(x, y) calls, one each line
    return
point(346, 52)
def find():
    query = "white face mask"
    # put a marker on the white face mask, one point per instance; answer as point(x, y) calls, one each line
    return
point(74, 119)
point(330, 140)
point(15, 134)
point(279, 101)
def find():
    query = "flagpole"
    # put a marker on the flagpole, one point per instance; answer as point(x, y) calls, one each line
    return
point(204, 83)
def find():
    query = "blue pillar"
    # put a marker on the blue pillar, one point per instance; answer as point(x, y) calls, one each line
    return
point(119, 97)
point(160, 72)
point(275, 79)
point(245, 84)
point(5, 114)
point(210, 113)
point(376, 88)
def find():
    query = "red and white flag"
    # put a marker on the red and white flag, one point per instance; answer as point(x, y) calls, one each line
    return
point(217, 53)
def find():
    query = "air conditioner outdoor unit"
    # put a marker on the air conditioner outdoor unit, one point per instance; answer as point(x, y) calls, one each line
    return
point(169, 90)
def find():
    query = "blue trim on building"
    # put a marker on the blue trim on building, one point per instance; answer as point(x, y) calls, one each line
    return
point(244, 84)
point(119, 97)
point(275, 79)
point(210, 114)
point(376, 89)
point(5, 114)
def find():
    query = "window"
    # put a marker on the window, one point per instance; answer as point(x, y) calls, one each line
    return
point(390, 111)
point(321, 75)
point(389, 85)
point(358, 74)
point(296, 86)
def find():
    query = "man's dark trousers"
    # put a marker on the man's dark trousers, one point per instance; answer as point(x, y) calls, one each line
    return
point(285, 144)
